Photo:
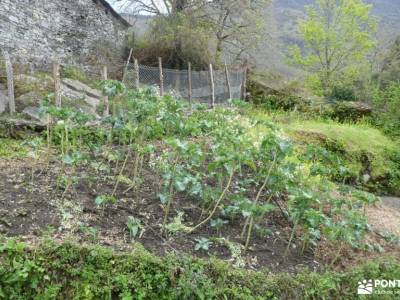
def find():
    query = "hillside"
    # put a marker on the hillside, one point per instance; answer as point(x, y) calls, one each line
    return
point(282, 17)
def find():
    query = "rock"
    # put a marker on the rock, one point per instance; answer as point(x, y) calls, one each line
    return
point(366, 178)
point(20, 128)
point(28, 99)
point(79, 96)
point(263, 94)
point(3, 101)
point(393, 202)
point(34, 113)
point(348, 110)
point(81, 87)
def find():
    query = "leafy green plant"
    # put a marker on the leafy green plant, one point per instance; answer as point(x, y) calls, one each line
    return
point(178, 169)
point(92, 231)
point(203, 244)
point(112, 88)
point(218, 223)
point(134, 226)
point(104, 200)
point(177, 225)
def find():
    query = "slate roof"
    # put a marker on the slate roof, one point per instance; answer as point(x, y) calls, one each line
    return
point(111, 10)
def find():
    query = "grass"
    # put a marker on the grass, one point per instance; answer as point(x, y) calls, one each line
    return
point(10, 148)
point(355, 138)
point(361, 145)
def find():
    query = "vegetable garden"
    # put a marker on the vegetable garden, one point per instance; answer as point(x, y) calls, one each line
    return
point(187, 181)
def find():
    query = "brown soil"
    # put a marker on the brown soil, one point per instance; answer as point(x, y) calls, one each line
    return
point(384, 218)
point(33, 206)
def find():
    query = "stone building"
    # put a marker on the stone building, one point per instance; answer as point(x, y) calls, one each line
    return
point(84, 31)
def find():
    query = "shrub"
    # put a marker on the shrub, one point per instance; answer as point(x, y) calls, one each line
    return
point(387, 116)
point(342, 93)
point(274, 100)
point(172, 39)
point(349, 111)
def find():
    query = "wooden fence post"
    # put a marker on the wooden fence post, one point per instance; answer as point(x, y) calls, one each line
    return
point(106, 104)
point(228, 82)
point(57, 83)
point(190, 85)
point(244, 84)
point(127, 65)
point(161, 76)
point(137, 79)
point(212, 86)
point(10, 82)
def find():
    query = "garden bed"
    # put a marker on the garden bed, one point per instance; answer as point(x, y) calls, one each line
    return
point(34, 210)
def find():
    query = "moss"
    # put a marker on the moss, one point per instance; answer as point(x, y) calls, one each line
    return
point(66, 271)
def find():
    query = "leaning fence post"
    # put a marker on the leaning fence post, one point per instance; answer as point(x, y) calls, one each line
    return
point(106, 104)
point(161, 76)
point(10, 82)
point(228, 82)
point(136, 66)
point(212, 86)
point(190, 85)
point(127, 65)
point(57, 83)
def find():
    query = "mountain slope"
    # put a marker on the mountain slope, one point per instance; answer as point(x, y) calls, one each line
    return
point(282, 18)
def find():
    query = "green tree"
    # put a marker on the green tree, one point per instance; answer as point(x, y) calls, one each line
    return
point(337, 36)
point(391, 65)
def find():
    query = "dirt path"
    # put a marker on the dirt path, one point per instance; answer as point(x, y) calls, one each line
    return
point(385, 217)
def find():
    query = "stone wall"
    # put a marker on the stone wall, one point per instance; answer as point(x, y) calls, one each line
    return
point(73, 31)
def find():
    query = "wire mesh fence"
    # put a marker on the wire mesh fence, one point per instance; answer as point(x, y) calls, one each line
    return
point(176, 82)
point(33, 78)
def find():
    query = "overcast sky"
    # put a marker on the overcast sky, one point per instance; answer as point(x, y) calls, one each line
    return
point(119, 5)
point(123, 5)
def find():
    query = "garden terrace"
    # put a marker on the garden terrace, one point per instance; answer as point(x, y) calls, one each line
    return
point(206, 183)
